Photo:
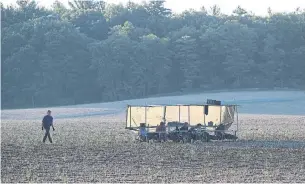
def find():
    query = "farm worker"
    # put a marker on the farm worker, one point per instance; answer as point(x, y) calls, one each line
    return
point(162, 127)
point(184, 127)
point(162, 131)
point(142, 132)
point(194, 130)
point(158, 128)
point(47, 122)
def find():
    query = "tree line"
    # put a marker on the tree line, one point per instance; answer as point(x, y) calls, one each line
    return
point(93, 51)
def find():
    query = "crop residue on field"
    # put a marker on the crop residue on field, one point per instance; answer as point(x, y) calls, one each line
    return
point(99, 149)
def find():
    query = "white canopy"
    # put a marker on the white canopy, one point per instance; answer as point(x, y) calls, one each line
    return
point(193, 114)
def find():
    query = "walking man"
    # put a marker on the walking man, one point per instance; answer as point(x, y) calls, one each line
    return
point(47, 122)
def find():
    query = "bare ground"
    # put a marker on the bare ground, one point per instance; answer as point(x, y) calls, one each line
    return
point(99, 149)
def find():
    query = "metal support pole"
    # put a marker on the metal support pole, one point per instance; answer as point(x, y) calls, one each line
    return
point(179, 114)
point(189, 116)
point(220, 114)
point(237, 117)
point(164, 117)
point(204, 116)
point(129, 116)
point(145, 115)
point(164, 114)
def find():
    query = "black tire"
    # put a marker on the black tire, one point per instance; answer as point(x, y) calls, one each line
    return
point(186, 138)
point(208, 137)
point(205, 137)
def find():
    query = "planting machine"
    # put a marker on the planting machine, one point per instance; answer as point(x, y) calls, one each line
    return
point(184, 122)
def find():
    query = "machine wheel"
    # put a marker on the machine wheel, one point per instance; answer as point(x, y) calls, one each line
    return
point(205, 137)
point(220, 135)
point(142, 139)
point(186, 138)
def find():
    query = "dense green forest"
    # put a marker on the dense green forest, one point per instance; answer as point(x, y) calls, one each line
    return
point(95, 52)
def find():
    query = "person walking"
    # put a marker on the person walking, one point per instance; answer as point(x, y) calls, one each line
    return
point(47, 123)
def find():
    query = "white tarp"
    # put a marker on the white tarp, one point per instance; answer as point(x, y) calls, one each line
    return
point(193, 114)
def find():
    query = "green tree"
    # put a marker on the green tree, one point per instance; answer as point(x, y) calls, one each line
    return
point(94, 51)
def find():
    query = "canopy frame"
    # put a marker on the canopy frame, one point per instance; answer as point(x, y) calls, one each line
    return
point(235, 118)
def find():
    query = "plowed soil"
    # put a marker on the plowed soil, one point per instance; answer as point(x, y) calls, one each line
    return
point(99, 149)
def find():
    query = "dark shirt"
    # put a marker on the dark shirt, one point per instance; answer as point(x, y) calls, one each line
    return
point(192, 129)
point(184, 128)
point(47, 121)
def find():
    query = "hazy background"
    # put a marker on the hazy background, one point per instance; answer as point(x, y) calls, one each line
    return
point(257, 7)
point(84, 52)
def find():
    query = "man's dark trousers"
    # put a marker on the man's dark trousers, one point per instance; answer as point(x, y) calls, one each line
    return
point(47, 134)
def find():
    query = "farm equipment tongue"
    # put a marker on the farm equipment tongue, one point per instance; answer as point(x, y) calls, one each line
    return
point(184, 122)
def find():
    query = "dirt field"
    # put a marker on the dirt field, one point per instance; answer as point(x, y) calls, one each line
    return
point(99, 149)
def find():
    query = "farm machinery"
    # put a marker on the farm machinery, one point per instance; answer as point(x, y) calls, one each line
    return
point(183, 122)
